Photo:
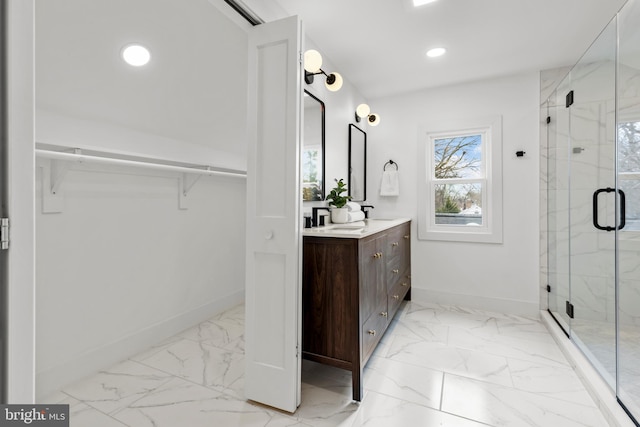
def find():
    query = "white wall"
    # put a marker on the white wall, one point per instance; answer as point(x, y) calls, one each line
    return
point(121, 267)
point(501, 277)
point(59, 129)
point(20, 301)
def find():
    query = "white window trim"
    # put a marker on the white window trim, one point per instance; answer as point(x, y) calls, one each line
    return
point(491, 230)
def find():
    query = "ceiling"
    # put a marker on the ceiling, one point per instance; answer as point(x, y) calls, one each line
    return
point(380, 45)
point(377, 45)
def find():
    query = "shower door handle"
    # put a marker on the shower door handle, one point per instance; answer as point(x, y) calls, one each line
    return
point(595, 208)
point(623, 205)
point(623, 208)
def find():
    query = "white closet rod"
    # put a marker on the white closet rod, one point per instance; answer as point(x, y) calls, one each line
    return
point(81, 158)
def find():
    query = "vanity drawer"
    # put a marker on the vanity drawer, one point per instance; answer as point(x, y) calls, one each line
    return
point(397, 250)
point(373, 329)
point(400, 278)
point(396, 295)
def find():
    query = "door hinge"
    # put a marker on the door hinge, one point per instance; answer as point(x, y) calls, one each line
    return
point(569, 309)
point(4, 233)
point(569, 99)
point(548, 288)
point(297, 350)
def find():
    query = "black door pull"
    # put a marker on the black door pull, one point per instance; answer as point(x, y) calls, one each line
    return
point(623, 204)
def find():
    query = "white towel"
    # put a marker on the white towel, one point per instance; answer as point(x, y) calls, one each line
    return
point(353, 207)
point(355, 216)
point(390, 185)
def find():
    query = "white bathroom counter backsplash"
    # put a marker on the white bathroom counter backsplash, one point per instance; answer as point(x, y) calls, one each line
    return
point(352, 231)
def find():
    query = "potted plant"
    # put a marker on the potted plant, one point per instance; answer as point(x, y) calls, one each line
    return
point(338, 202)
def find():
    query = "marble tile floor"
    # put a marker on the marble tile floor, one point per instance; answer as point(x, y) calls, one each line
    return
point(435, 366)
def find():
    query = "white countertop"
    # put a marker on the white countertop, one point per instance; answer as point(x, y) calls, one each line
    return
point(349, 231)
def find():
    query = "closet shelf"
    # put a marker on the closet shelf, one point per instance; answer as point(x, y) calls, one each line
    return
point(60, 163)
point(79, 157)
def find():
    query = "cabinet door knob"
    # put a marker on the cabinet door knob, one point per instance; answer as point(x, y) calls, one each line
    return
point(384, 314)
point(406, 237)
point(396, 271)
point(395, 244)
point(372, 332)
point(405, 284)
point(396, 297)
point(377, 255)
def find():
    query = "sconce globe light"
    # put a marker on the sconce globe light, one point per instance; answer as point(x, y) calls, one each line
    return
point(312, 64)
point(333, 82)
point(374, 119)
point(363, 111)
point(135, 55)
point(312, 61)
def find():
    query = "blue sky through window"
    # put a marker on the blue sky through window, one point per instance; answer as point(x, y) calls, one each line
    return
point(458, 157)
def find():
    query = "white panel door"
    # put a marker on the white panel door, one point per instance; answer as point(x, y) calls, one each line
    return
point(273, 276)
point(19, 267)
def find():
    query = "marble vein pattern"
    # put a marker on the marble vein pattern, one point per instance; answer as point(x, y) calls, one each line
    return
point(435, 366)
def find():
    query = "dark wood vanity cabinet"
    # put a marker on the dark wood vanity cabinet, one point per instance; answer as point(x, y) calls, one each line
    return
point(351, 289)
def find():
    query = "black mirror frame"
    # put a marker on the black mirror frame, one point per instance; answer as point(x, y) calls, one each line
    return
point(364, 181)
point(322, 110)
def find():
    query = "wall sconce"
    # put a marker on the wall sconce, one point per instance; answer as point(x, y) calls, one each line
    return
point(363, 111)
point(312, 64)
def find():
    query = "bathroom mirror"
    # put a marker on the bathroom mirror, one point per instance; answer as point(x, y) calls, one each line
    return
point(313, 149)
point(357, 184)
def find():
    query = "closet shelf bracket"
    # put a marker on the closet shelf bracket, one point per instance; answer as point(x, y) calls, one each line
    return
point(59, 169)
point(186, 183)
point(53, 174)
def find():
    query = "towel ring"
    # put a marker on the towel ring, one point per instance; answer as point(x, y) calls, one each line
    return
point(390, 163)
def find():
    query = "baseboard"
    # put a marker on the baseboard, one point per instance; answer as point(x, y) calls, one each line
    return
point(53, 379)
point(520, 308)
point(600, 391)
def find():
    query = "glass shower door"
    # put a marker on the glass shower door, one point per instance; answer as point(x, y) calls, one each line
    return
point(628, 121)
point(592, 201)
point(558, 205)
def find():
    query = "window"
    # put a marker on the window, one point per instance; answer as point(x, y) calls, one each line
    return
point(461, 184)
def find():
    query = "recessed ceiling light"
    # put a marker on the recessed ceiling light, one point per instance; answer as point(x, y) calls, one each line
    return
point(437, 51)
point(136, 55)
point(417, 3)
